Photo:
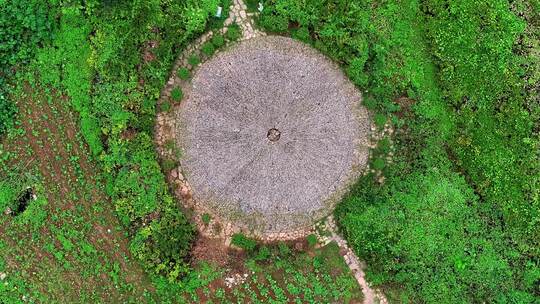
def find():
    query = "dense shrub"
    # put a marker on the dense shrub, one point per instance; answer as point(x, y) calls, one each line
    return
point(233, 33)
point(24, 26)
point(218, 41)
point(194, 60)
point(134, 176)
point(91, 132)
point(112, 66)
point(183, 73)
point(312, 240)
point(165, 106)
point(163, 246)
point(496, 143)
point(208, 49)
point(177, 94)
point(443, 251)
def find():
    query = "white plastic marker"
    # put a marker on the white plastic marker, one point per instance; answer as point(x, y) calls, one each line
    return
point(261, 7)
point(219, 10)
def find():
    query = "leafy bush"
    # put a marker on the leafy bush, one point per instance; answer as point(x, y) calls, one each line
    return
point(312, 240)
point(208, 49)
point(263, 254)
point(218, 41)
point(284, 250)
point(243, 242)
point(183, 73)
point(378, 164)
point(23, 28)
point(165, 106)
point(194, 60)
point(164, 245)
point(91, 133)
point(252, 5)
point(177, 94)
point(233, 33)
point(380, 120)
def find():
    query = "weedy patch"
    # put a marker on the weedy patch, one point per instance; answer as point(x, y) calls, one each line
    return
point(280, 273)
point(56, 225)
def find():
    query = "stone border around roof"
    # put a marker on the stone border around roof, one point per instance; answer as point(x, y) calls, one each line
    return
point(164, 132)
point(285, 222)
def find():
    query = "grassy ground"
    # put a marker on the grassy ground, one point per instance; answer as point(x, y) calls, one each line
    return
point(293, 273)
point(67, 245)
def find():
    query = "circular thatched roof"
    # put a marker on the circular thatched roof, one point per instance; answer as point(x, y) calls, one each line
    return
point(272, 134)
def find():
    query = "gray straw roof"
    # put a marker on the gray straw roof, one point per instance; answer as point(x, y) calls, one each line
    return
point(272, 134)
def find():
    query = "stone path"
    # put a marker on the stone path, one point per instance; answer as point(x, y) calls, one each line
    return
point(371, 296)
point(244, 20)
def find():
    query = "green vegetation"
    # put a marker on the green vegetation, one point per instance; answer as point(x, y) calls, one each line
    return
point(7, 114)
point(252, 5)
point(206, 218)
point(279, 274)
point(241, 241)
point(91, 54)
point(63, 232)
point(23, 28)
point(456, 217)
point(312, 240)
point(194, 60)
point(183, 73)
point(234, 32)
point(208, 49)
point(177, 94)
point(218, 41)
point(165, 106)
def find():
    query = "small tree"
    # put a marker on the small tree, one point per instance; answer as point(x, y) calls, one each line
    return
point(242, 241)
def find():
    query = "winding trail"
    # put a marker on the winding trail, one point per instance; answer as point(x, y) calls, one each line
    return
point(371, 295)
